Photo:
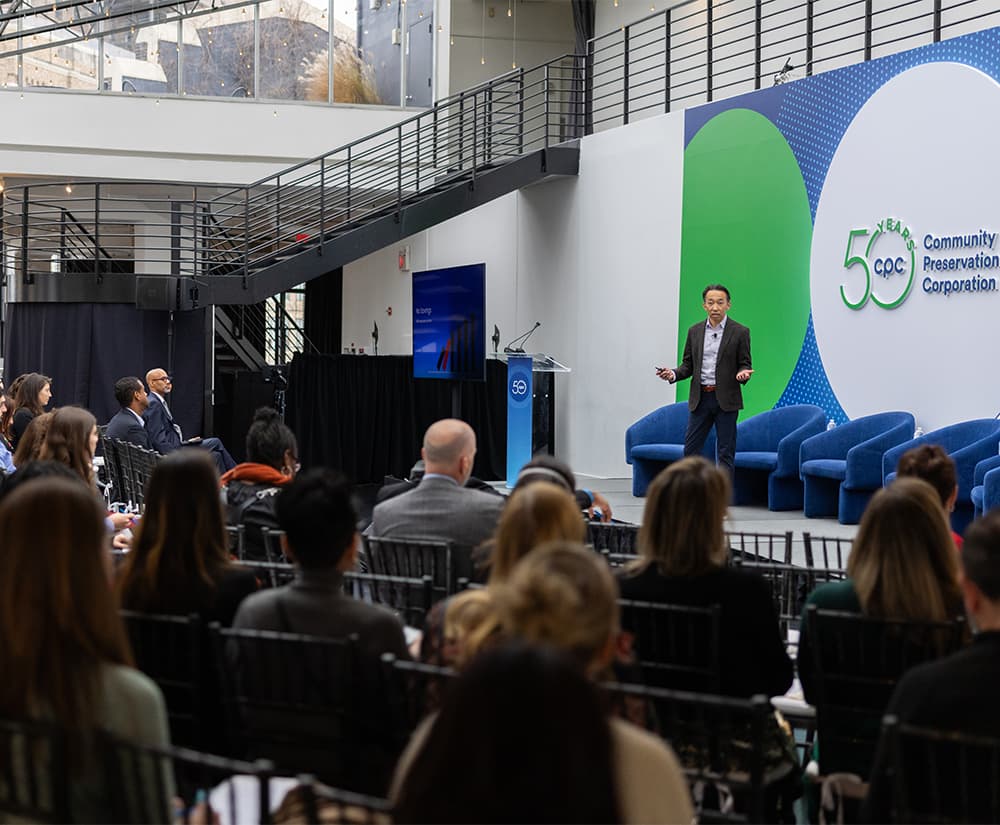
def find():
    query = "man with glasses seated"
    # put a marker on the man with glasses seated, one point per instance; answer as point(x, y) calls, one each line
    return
point(165, 434)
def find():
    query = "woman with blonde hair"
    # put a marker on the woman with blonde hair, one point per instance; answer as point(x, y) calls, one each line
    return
point(684, 561)
point(534, 514)
point(63, 650)
point(902, 566)
point(562, 596)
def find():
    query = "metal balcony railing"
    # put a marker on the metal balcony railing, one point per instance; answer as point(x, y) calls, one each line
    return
point(692, 52)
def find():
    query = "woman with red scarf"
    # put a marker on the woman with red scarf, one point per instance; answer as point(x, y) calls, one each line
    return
point(249, 489)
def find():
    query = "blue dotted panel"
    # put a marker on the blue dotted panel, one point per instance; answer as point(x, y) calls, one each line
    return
point(814, 116)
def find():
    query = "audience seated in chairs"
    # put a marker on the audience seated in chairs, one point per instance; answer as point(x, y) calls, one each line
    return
point(62, 645)
point(127, 424)
point(33, 394)
point(536, 513)
point(684, 556)
point(549, 468)
point(933, 464)
point(957, 693)
point(30, 445)
point(562, 596)
point(902, 567)
point(318, 517)
point(179, 561)
point(250, 489)
point(440, 507)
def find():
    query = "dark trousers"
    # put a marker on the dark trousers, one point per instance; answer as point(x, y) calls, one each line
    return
point(223, 460)
point(700, 422)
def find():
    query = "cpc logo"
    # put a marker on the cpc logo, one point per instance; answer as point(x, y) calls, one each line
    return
point(890, 255)
point(519, 385)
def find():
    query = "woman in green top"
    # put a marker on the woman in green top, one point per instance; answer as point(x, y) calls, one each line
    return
point(63, 650)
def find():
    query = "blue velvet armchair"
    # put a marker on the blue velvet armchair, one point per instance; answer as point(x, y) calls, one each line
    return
point(981, 502)
point(842, 468)
point(767, 455)
point(656, 440)
point(968, 443)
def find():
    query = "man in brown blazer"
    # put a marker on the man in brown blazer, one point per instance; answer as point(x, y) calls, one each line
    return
point(717, 358)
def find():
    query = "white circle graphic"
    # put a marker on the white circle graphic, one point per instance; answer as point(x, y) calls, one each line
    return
point(918, 163)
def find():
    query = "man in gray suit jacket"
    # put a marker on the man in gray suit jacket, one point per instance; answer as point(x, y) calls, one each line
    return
point(717, 358)
point(439, 507)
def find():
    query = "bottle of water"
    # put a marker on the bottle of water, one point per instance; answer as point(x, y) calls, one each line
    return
point(831, 425)
point(918, 432)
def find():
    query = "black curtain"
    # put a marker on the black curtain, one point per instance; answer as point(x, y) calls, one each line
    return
point(366, 416)
point(323, 311)
point(85, 348)
point(584, 26)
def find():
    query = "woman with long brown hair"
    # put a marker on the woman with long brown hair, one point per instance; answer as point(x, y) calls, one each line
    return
point(684, 560)
point(70, 439)
point(32, 396)
point(62, 644)
point(179, 562)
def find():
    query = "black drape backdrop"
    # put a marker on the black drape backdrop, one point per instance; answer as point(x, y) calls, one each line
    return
point(366, 416)
point(85, 348)
point(324, 311)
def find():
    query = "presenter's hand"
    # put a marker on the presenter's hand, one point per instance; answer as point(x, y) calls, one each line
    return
point(743, 376)
point(665, 374)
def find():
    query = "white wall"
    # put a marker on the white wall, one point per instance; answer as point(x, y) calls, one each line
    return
point(595, 259)
point(73, 134)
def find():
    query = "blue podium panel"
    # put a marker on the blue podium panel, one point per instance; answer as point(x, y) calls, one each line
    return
point(519, 392)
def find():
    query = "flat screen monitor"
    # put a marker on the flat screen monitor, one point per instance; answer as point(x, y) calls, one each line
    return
point(449, 329)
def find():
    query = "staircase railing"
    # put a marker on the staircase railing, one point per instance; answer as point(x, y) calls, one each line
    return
point(691, 52)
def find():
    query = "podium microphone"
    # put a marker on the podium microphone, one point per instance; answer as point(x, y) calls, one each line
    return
point(496, 338)
point(521, 340)
point(375, 335)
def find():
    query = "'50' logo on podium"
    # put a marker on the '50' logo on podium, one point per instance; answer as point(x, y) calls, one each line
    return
point(519, 385)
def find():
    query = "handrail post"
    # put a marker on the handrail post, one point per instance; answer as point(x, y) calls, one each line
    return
point(62, 240)
point(625, 95)
point(434, 140)
point(758, 13)
point(937, 21)
point(322, 202)
point(708, 50)
point(25, 278)
point(868, 30)
point(520, 111)
point(97, 232)
point(348, 217)
point(588, 94)
point(246, 236)
point(666, 59)
point(277, 213)
point(461, 129)
point(475, 135)
point(399, 173)
point(196, 259)
point(416, 183)
point(545, 92)
point(809, 37)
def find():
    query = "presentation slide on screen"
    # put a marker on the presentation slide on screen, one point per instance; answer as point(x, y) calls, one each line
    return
point(854, 217)
point(449, 306)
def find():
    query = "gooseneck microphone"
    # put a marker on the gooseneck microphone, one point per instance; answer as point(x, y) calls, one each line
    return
point(521, 340)
point(496, 338)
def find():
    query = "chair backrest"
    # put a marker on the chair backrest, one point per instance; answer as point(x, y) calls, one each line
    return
point(760, 546)
point(272, 544)
point(305, 703)
point(144, 780)
point(410, 598)
point(116, 463)
point(717, 740)
point(415, 689)
point(942, 776)
point(34, 776)
point(613, 537)
point(676, 646)
point(617, 560)
point(790, 586)
point(857, 662)
point(414, 559)
point(170, 651)
point(826, 552)
point(235, 533)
